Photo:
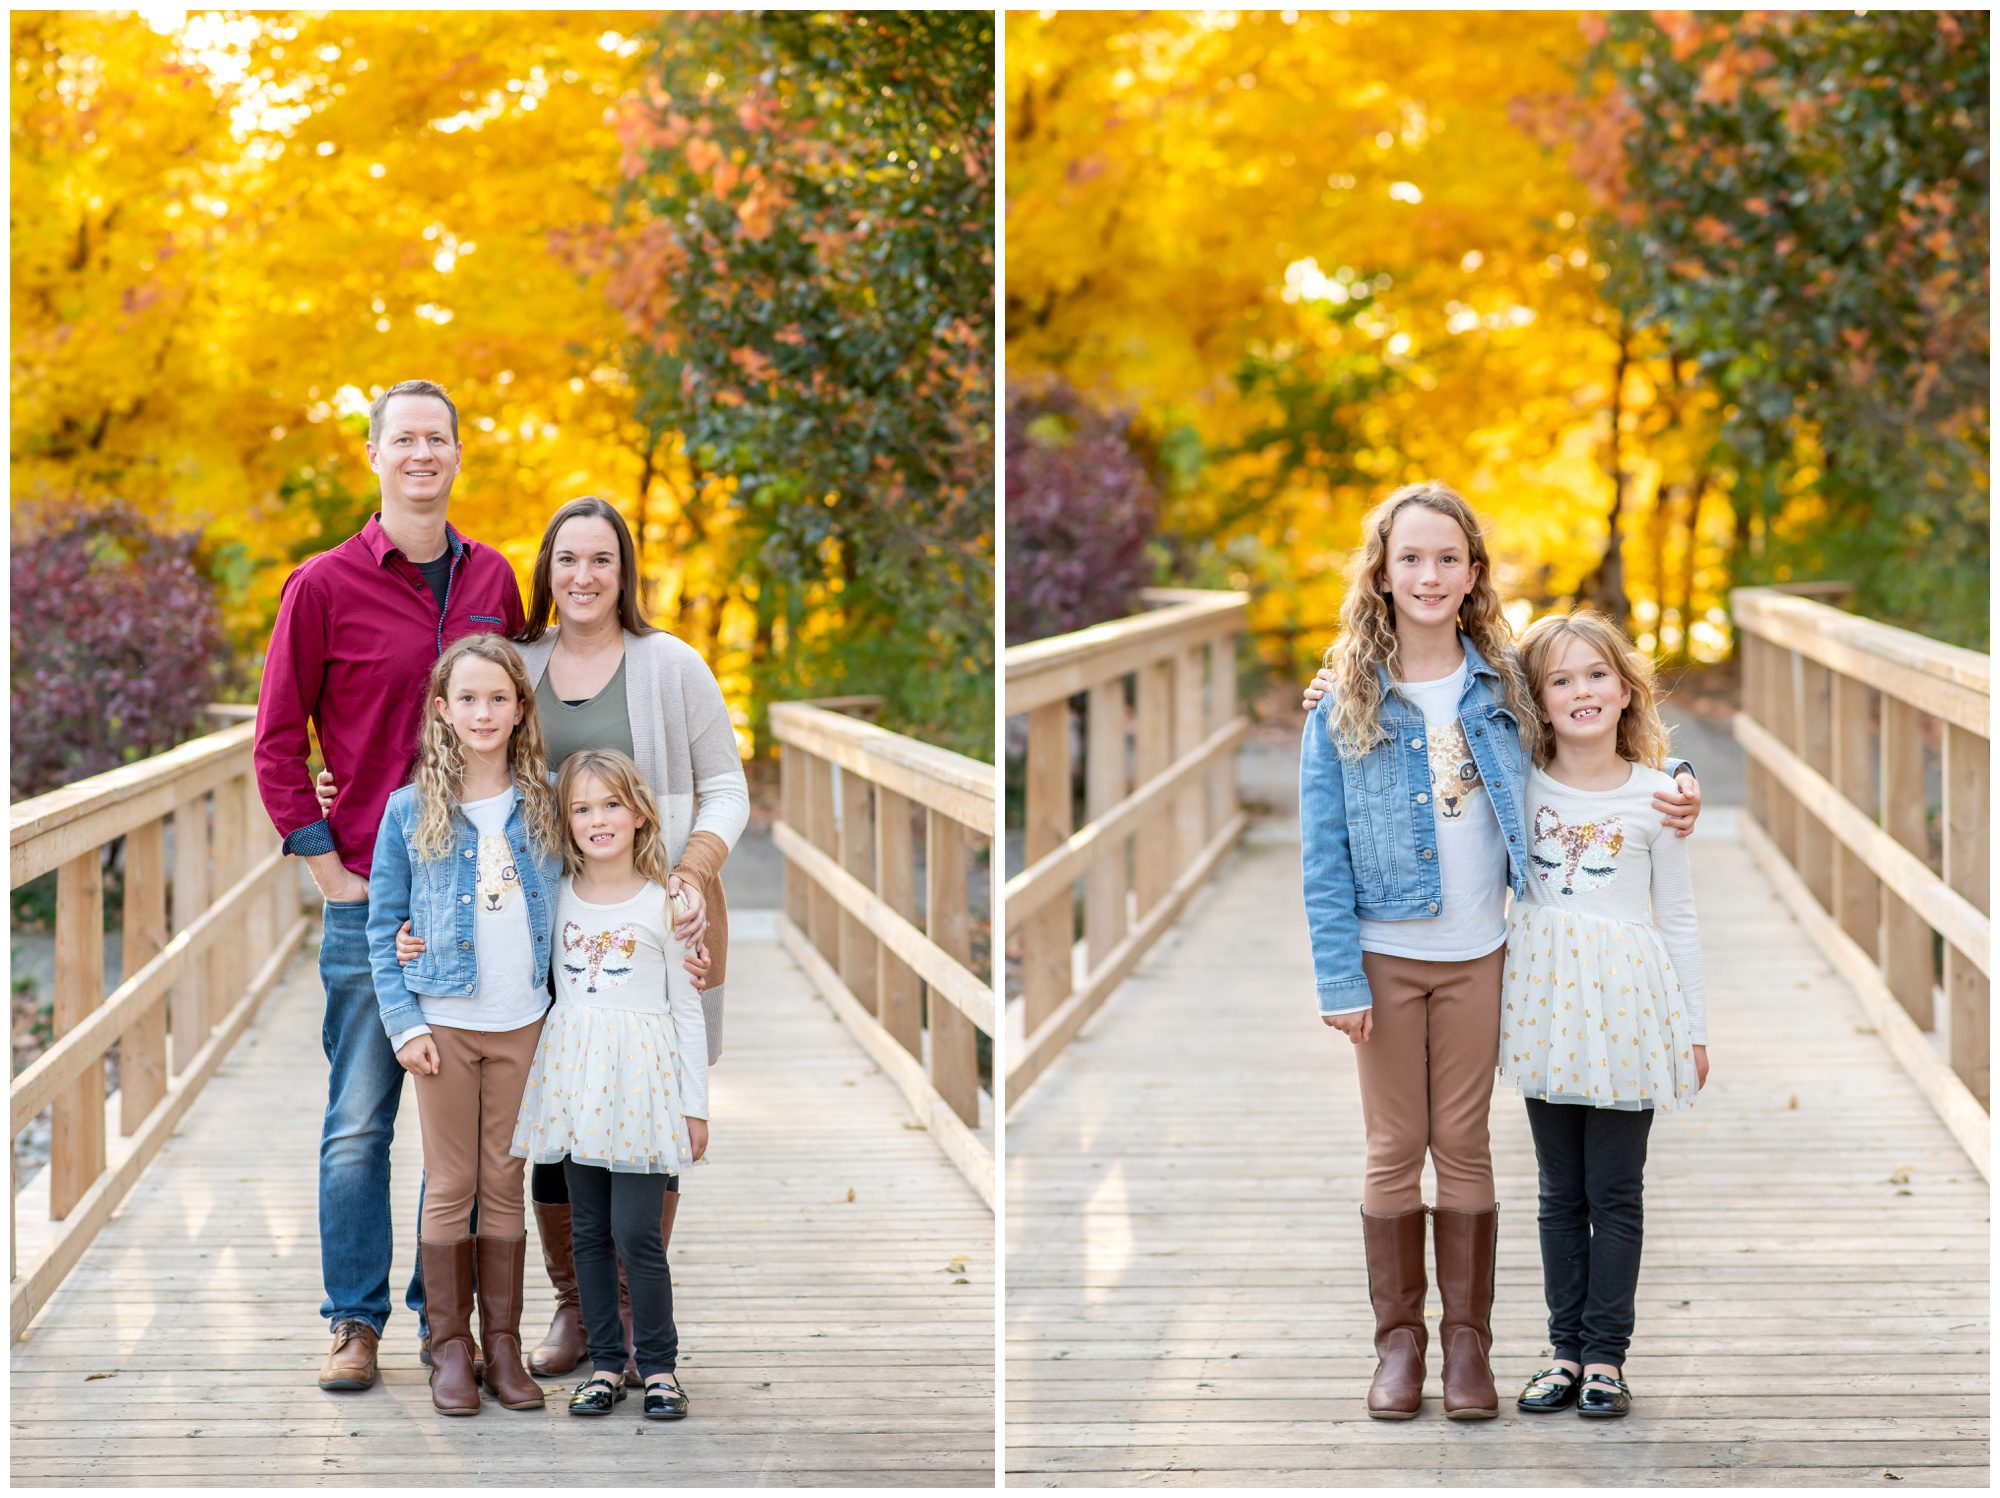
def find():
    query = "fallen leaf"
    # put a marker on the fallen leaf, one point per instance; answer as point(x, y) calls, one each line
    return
point(1893, 1476)
point(850, 1193)
point(1866, 1030)
point(921, 1128)
point(1793, 1105)
point(89, 1376)
point(1900, 1176)
point(961, 1282)
point(1905, 1192)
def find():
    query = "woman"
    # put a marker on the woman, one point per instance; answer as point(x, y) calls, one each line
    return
point(607, 678)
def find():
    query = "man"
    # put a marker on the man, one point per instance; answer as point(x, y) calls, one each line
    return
point(359, 628)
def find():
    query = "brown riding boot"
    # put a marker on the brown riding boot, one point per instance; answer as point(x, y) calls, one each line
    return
point(1465, 1262)
point(448, 1301)
point(502, 1263)
point(565, 1344)
point(1396, 1285)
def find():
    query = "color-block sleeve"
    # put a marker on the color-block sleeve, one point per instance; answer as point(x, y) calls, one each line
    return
point(721, 794)
point(690, 1024)
point(1674, 915)
point(294, 669)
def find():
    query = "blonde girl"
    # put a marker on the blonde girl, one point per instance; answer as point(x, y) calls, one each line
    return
point(470, 849)
point(1410, 781)
point(1602, 1012)
point(619, 1087)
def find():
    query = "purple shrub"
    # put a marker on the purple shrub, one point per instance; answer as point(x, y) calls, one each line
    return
point(116, 644)
point(1080, 509)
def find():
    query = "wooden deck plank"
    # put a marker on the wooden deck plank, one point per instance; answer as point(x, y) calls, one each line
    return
point(1188, 1301)
point(833, 1288)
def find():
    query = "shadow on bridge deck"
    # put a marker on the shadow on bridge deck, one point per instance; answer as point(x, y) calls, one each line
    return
point(1187, 1301)
point(826, 1337)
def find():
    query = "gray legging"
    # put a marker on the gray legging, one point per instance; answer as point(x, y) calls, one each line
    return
point(617, 1209)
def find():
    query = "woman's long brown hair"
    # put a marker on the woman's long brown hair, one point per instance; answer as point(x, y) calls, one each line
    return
point(541, 590)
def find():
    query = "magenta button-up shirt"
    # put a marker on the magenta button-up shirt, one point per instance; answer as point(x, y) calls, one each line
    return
point(357, 634)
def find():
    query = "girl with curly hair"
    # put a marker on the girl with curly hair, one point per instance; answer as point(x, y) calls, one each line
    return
point(472, 849)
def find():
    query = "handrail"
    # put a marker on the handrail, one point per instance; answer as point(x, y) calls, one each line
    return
point(1160, 710)
point(184, 999)
point(852, 797)
point(1838, 714)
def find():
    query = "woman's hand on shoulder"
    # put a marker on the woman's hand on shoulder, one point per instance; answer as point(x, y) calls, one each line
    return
point(1679, 807)
point(1318, 687)
point(1356, 1024)
point(697, 1137)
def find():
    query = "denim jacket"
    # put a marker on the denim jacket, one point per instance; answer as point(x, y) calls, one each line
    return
point(1367, 826)
point(436, 896)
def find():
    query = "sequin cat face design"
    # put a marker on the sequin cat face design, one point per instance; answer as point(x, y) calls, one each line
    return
point(1454, 773)
point(599, 954)
point(499, 879)
point(1586, 855)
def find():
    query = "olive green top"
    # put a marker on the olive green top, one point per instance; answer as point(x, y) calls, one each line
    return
point(601, 722)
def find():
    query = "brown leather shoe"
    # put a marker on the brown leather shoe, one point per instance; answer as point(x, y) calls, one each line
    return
point(350, 1363)
point(563, 1348)
point(502, 1264)
point(1396, 1285)
point(448, 1301)
point(1465, 1262)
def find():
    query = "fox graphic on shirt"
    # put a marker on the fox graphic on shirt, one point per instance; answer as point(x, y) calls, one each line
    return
point(589, 956)
point(1454, 772)
point(499, 879)
point(1585, 853)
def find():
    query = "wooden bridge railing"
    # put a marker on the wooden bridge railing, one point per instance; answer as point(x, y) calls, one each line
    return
point(878, 831)
point(191, 981)
point(1155, 695)
point(1839, 713)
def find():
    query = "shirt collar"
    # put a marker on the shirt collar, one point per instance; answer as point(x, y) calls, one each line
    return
point(380, 547)
point(1475, 664)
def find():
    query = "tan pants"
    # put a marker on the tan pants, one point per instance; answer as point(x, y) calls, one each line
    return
point(468, 1111)
point(1427, 1080)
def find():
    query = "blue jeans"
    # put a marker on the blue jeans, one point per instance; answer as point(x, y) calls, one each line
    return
point(364, 1087)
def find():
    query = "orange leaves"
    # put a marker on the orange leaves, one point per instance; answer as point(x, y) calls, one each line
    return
point(758, 212)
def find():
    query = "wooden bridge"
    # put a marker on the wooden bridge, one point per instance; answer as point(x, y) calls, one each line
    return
point(834, 1265)
point(1187, 1300)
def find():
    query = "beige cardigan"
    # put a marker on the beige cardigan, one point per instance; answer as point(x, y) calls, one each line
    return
point(686, 749)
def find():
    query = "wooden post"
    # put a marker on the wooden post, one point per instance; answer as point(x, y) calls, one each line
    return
point(1815, 747)
point(1906, 936)
point(188, 1004)
point(1105, 784)
point(1221, 713)
point(899, 998)
point(792, 794)
point(954, 1038)
point(1781, 705)
point(1857, 893)
point(1153, 846)
point(1750, 650)
point(259, 931)
point(1191, 805)
point(1968, 994)
point(857, 856)
point(142, 1050)
point(1048, 935)
point(231, 953)
point(76, 1146)
point(824, 908)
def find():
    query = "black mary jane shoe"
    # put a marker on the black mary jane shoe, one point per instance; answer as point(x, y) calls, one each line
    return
point(1602, 1397)
point(597, 1394)
point(666, 1402)
point(1551, 1389)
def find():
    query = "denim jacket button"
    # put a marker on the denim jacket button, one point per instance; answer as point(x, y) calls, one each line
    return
point(1428, 853)
point(1416, 743)
point(468, 988)
point(465, 899)
point(466, 945)
point(1423, 798)
point(469, 852)
point(1434, 907)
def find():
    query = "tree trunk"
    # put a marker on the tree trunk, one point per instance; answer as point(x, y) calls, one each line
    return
point(1605, 586)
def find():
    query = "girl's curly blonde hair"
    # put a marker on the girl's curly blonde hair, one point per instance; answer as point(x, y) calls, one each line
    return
point(622, 778)
point(440, 769)
point(1367, 637)
point(1642, 737)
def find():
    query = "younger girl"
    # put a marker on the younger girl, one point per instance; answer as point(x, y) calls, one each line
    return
point(1602, 1016)
point(1409, 802)
point(620, 1080)
point(470, 849)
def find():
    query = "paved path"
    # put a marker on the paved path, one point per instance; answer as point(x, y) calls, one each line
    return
point(833, 1281)
point(1187, 1300)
